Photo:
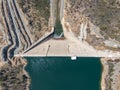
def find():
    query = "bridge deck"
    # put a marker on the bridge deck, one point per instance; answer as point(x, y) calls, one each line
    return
point(67, 48)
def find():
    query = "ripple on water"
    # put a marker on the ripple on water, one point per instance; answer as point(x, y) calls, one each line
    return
point(64, 74)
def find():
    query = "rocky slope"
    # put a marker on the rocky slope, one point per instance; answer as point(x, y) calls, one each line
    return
point(18, 31)
point(111, 74)
point(97, 23)
point(13, 76)
point(23, 23)
point(98, 18)
point(37, 12)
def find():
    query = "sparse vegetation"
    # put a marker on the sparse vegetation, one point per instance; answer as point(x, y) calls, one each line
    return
point(13, 77)
point(38, 14)
point(112, 73)
point(103, 14)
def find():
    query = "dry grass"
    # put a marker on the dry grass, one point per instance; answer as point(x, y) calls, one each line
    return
point(38, 14)
point(102, 13)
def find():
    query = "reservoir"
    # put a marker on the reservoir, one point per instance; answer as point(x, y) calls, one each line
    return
point(62, 73)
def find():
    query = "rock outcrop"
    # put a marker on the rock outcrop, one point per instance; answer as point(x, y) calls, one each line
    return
point(111, 74)
point(95, 21)
point(13, 76)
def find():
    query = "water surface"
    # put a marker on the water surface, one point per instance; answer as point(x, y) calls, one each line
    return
point(64, 74)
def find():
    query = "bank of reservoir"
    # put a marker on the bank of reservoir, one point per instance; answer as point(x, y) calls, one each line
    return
point(62, 73)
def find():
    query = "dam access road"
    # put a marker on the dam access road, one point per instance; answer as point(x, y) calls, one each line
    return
point(17, 33)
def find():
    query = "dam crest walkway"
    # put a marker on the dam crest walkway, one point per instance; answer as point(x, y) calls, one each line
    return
point(67, 48)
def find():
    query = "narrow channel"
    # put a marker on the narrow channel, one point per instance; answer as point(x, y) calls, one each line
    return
point(57, 12)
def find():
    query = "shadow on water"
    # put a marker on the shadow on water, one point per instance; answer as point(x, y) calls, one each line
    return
point(58, 29)
point(62, 73)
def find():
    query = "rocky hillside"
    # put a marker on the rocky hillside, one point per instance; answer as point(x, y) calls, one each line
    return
point(13, 76)
point(100, 19)
point(37, 13)
point(111, 74)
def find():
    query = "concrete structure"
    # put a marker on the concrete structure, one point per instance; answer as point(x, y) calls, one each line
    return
point(63, 48)
point(71, 46)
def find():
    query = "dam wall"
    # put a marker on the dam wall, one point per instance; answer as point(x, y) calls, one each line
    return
point(65, 48)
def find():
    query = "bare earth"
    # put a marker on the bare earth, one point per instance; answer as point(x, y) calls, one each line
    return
point(111, 74)
point(85, 32)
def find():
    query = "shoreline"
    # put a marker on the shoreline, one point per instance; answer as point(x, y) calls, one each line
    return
point(27, 74)
point(103, 75)
point(107, 81)
point(110, 74)
point(17, 74)
point(34, 73)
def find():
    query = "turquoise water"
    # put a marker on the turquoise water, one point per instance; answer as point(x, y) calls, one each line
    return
point(64, 74)
point(58, 29)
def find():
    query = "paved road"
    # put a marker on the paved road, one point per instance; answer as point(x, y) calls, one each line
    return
point(8, 31)
point(20, 16)
point(18, 37)
point(61, 9)
point(14, 29)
